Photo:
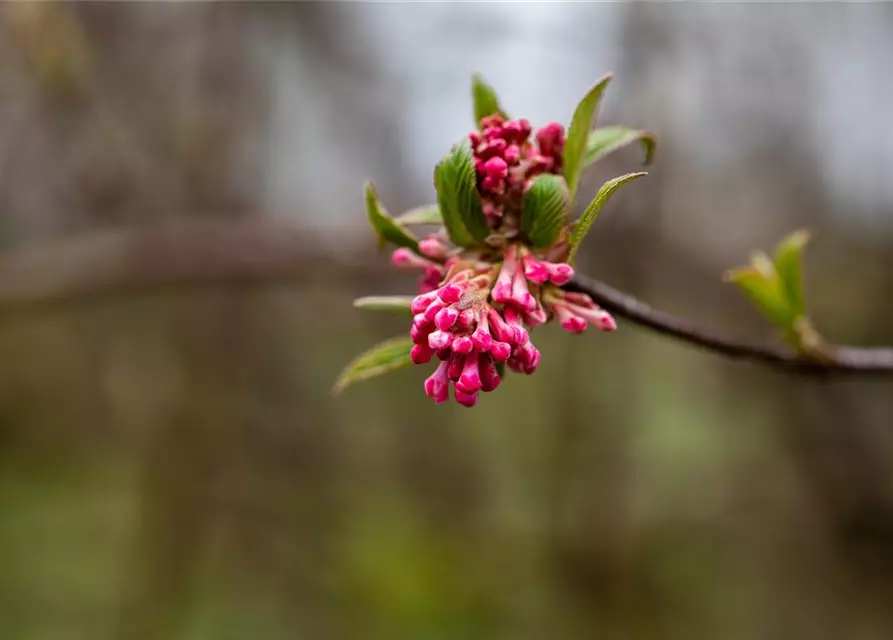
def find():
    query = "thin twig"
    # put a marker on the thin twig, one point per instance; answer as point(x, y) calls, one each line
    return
point(838, 360)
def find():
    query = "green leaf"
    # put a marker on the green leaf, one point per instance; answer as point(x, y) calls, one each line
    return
point(545, 207)
point(582, 225)
point(789, 266)
point(485, 101)
point(429, 214)
point(578, 134)
point(766, 292)
point(458, 198)
point(382, 358)
point(385, 226)
point(392, 304)
point(606, 140)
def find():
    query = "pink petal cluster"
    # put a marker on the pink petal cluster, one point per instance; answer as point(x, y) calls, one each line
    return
point(506, 161)
point(475, 312)
point(457, 324)
point(481, 315)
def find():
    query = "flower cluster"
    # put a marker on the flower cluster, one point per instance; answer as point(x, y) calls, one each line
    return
point(474, 312)
point(506, 162)
point(500, 265)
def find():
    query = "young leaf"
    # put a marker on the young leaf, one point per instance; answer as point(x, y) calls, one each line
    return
point(385, 226)
point(392, 304)
point(485, 101)
point(789, 266)
point(766, 292)
point(429, 214)
point(458, 198)
point(607, 140)
point(578, 134)
point(545, 207)
point(582, 225)
point(382, 358)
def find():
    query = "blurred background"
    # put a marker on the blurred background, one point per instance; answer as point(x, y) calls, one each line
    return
point(171, 463)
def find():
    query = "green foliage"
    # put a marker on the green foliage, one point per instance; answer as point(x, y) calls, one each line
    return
point(486, 103)
point(606, 140)
point(545, 209)
point(776, 289)
point(385, 226)
point(458, 198)
point(578, 134)
point(382, 358)
point(428, 214)
point(390, 304)
point(582, 225)
point(789, 265)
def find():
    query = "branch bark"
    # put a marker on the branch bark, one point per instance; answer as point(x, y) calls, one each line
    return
point(840, 359)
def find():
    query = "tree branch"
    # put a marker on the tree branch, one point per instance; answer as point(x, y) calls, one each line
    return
point(839, 360)
point(207, 252)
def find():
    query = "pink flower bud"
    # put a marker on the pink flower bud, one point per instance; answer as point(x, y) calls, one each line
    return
point(421, 302)
point(529, 358)
point(437, 386)
point(403, 258)
point(463, 345)
point(438, 340)
point(597, 317)
point(490, 149)
point(569, 320)
point(446, 318)
point(470, 380)
point(579, 299)
point(419, 334)
point(494, 120)
point(495, 168)
point(466, 399)
point(475, 139)
point(466, 319)
point(536, 317)
point(561, 273)
point(501, 351)
point(550, 139)
point(421, 353)
point(455, 367)
point(433, 248)
point(535, 270)
point(492, 184)
point(491, 133)
point(502, 291)
point(513, 320)
point(450, 293)
point(521, 295)
point(481, 337)
point(489, 376)
point(500, 328)
point(433, 309)
point(444, 354)
point(512, 154)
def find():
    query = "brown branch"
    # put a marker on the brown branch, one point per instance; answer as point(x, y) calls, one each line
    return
point(838, 360)
point(207, 252)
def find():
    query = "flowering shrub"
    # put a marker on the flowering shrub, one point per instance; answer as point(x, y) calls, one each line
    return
point(495, 268)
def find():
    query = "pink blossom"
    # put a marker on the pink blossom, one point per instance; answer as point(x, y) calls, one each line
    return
point(466, 399)
point(470, 380)
point(437, 386)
